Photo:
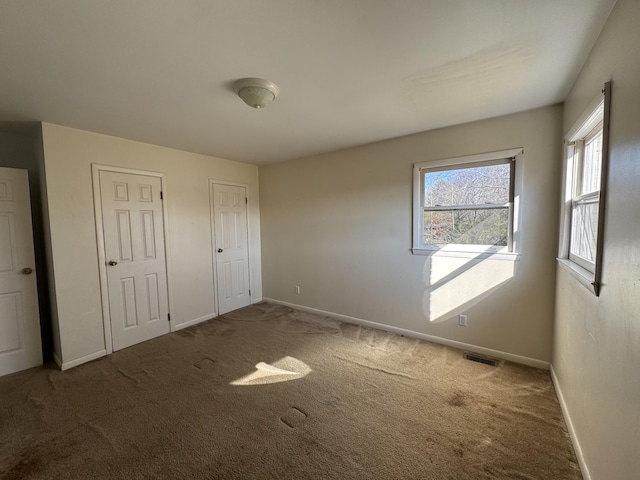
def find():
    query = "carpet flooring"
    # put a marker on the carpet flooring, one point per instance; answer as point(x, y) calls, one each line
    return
point(268, 392)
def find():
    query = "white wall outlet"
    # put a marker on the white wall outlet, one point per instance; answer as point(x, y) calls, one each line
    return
point(462, 320)
point(296, 289)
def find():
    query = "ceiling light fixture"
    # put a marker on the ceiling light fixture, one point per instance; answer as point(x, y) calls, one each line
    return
point(256, 92)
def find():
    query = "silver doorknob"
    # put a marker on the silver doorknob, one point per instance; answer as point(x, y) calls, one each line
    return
point(112, 263)
point(26, 271)
point(219, 250)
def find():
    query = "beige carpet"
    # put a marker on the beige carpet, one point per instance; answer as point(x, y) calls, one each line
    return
point(267, 392)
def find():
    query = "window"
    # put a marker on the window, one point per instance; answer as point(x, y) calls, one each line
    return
point(586, 161)
point(465, 204)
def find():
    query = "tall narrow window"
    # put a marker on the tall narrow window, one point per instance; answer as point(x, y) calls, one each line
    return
point(466, 203)
point(586, 168)
point(585, 200)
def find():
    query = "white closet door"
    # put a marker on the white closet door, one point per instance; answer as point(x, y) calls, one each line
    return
point(20, 344)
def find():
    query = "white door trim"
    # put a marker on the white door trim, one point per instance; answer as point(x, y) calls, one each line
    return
point(102, 259)
point(212, 182)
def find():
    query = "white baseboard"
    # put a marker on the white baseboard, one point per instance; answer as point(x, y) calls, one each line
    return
point(56, 359)
point(81, 360)
point(256, 300)
point(193, 322)
point(532, 362)
point(572, 433)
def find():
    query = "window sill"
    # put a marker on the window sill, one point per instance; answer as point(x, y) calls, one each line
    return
point(480, 254)
point(582, 275)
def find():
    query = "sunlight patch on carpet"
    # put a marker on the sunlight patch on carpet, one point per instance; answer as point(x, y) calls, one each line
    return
point(283, 370)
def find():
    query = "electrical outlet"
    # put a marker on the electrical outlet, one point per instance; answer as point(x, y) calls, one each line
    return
point(462, 320)
point(296, 289)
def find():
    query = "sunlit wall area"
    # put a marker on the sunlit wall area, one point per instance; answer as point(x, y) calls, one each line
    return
point(454, 284)
point(339, 226)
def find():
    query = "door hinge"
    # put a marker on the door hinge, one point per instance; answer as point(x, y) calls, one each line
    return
point(246, 201)
point(161, 196)
point(249, 292)
point(168, 317)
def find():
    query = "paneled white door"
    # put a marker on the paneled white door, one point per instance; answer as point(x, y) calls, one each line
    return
point(231, 247)
point(20, 344)
point(133, 226)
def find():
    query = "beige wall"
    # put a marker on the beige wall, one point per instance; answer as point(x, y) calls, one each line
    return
point(46, 288)
point(339, 225)
point(68, 155)
point(597, 339)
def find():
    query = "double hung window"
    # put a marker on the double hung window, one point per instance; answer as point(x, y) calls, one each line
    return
point(465, 204)
point(584, 192)
point(585, 201)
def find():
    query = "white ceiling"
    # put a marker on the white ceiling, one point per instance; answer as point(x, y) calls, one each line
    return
point(350, 71)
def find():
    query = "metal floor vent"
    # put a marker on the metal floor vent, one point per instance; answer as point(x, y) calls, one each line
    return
point(474, 357)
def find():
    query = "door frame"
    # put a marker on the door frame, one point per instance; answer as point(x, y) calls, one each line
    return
point(213, 182)
point(102, 258)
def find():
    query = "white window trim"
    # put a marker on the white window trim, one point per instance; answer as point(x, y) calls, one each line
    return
point(582, 275)
point(466, 251)
point(595, 113)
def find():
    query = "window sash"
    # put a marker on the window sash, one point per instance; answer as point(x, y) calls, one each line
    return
point(584, 231)
point(482, 206)
point(481, 229)
point(580, 160)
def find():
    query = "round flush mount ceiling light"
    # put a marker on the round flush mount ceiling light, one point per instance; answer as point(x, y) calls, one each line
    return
point(256, 92)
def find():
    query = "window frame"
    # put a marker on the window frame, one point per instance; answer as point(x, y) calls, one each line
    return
point(512, 157)
point(594, 119)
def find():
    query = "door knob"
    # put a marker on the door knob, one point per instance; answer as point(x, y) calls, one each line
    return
point(112, 263)
point(26, 271)
point(219, 250)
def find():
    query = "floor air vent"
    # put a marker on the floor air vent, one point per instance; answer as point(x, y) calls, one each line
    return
point(474, 357)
